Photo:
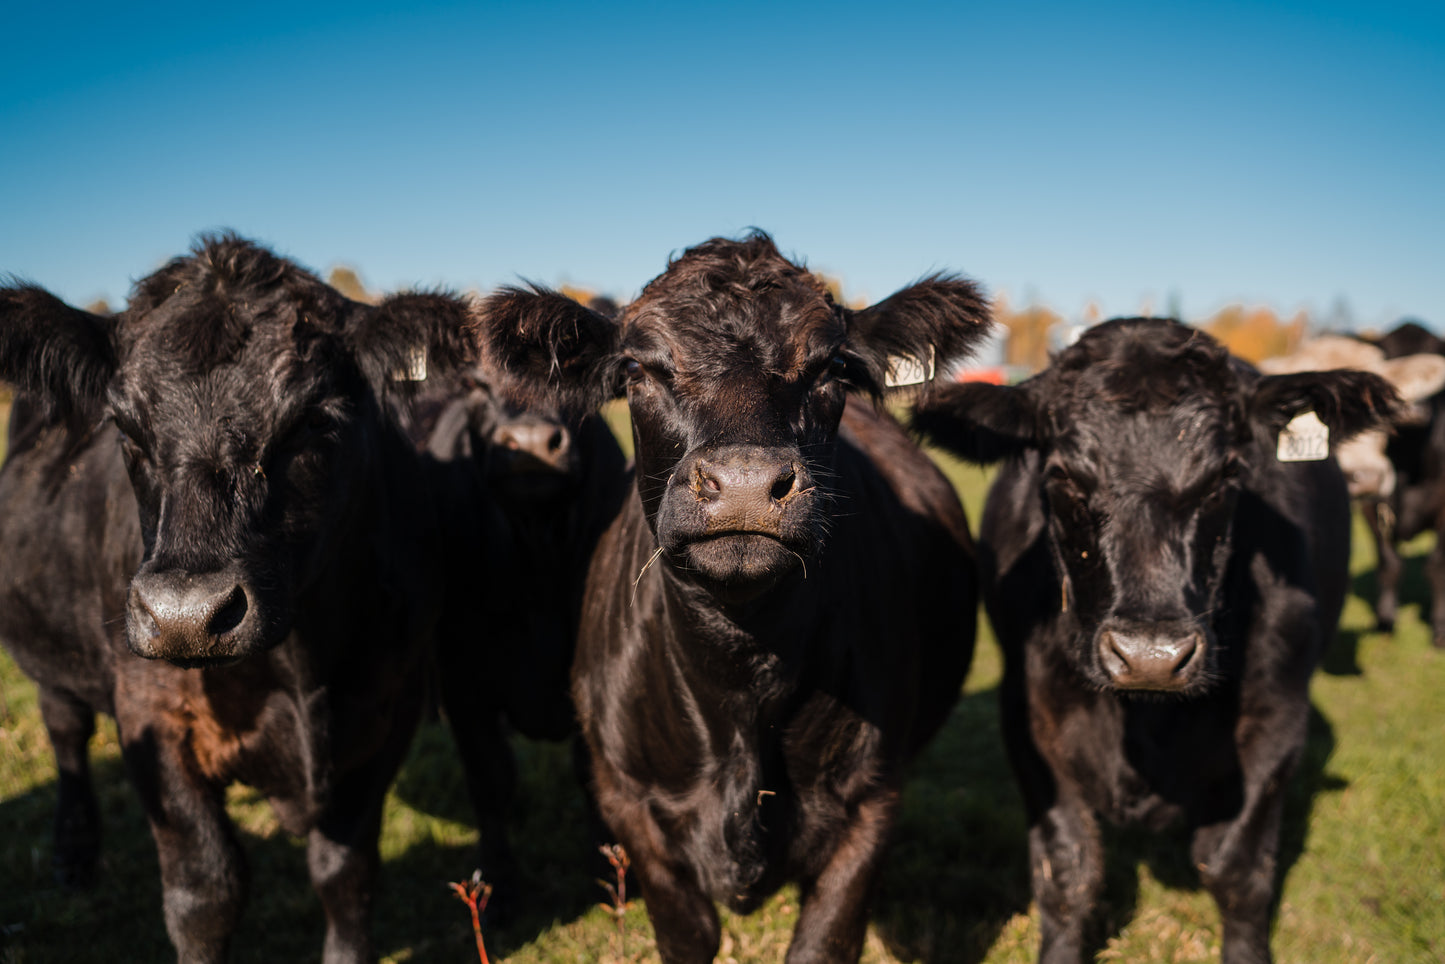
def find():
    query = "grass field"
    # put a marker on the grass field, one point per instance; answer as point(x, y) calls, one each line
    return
point(1363, 855)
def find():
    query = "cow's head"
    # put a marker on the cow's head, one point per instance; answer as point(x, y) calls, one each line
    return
point(1145, 433)
point(251, 400)
point(527, 453)
point(736, 364)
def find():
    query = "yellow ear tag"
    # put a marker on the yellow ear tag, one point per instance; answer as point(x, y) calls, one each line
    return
point(1304, 439)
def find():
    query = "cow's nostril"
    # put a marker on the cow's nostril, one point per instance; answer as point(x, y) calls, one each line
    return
point(1186, 652)
point(784, 484)
point(148, 622)
point(231, 614)
point(705, 482)
point(557, 441)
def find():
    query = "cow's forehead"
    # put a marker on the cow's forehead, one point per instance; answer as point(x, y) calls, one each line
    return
point(1176, 447)
point(772, 329)
point(230, 361)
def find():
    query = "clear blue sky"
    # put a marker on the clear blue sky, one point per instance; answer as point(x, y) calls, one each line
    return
point(1194, 154)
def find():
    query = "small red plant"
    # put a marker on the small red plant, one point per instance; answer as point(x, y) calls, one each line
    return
point(475, 893)
point(616, 855)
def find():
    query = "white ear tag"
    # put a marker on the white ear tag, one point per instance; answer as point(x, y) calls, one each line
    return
point(1304, 439)
point(415, 368)
point(908, 370)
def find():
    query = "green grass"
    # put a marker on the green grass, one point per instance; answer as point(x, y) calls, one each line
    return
point(1364, 847)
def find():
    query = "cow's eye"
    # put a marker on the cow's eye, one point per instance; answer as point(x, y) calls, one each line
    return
point(1061, 484)
point(131, 449)
point(632, 368)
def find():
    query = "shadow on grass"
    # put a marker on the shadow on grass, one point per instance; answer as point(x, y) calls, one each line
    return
point(549, 832)
point(959, 870)
point(956, 876)
point(1342, 657)
point(415, 915)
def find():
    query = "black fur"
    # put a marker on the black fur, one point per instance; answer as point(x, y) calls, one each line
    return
point(1162, 588)
point(769, 628)
point(1417, 451)
point(526, 492)
point(241, 501)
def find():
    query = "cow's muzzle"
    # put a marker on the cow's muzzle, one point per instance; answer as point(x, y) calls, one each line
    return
point(192, 619)
point(743, 516)
point(1165, 656)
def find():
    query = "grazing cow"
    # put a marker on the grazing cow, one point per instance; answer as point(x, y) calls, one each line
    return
point(212, 529)
point(1162, 588)
point(1416, 503)
point(526, 492)
point(771, 623)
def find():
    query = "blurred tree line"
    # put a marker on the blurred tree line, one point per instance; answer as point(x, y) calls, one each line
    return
point(1032, 333)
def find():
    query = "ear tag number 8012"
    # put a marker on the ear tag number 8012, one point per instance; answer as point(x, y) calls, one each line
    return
point(1304, 439)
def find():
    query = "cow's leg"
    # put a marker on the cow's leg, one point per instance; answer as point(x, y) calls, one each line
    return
point(70, 724)
point(1237, 858)
point(1379, 518)
point(1435, 566)
point(683, 917)
point(1066, 857)
point(203, 870)
point(341, 850)
point(341, 854)
point(491, 774)
point(833, 919)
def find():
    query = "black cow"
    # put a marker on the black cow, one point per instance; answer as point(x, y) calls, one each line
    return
point(1161, 587)
point(212, 529)
point(1416, 449)
point(526, 492)
point(771, 623)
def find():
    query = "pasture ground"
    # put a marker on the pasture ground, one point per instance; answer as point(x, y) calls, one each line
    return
point(1363, 854)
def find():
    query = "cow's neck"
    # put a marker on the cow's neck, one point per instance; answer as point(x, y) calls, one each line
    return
point(747, 656)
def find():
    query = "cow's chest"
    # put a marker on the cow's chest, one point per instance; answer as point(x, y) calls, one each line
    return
point(1152, 764)
point(733, 824)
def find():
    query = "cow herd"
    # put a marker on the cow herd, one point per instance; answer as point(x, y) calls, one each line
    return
point(263, 527)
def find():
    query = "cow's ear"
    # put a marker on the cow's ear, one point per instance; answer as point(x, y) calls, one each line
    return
point(920, 330)
point(978, 422)
point(1416, 377)
point(414, 336)
point(550, 349)
point(61, 355)
point(1347, 402)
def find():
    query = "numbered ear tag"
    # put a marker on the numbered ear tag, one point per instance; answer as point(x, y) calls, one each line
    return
point(1304, 439)
point(415, 368)
point(908, 370)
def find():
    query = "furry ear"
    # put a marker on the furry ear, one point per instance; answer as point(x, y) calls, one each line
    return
point(978, 422)
point(414, 336)
point(1416, 377)
point(934, 323)
point(551, 350)
point(1347, 401)
point(61, 355)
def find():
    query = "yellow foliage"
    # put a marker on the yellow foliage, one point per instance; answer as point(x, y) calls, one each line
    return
point(1030, 333)
point(1256, 333)
point(348, 281)
point(579, 295)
